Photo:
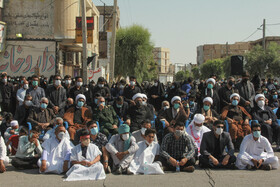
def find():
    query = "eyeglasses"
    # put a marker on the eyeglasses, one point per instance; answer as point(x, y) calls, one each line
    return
point(220, 127)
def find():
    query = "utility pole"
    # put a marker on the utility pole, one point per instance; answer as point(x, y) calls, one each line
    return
point(84, 30)
point(113, 43)
point(263, 42)
point(227, 49)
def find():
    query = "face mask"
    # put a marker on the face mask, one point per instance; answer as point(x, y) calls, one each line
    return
point(210, 86)
point(25, 86)
point(95, 101)
point(102, 103)
point(257, 134)
point(61, 135)
point(121, 86)
point(79, 84)
point(275, 83)
point(176, 106)
point(28, 103)
point(166, 107)
point(156, 84)
point(230, 83)
point(35, 83)
point(219, 131)
point(143, 130)
point(5, 80)
point(100, 85)
point(144, 103)
point(94, 130)
point(265, 92)
point(139, 103)
point(234, 102)
point(118, 106)
point(261, 104)
point(125, 136)
point(21, 81)
point(86, 142)
point(198, 128)
point(80, 104)
point(44, 105)
point(57, 82)
point(132, 83)
point(275, 96)
point(179, 133)
point(191, 103)
point(206, 107)
point(31, 135)
point(172, 87)
point(68, 82)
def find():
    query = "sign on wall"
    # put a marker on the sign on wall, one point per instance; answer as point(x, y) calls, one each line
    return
point(25, 57)
point(3, 28)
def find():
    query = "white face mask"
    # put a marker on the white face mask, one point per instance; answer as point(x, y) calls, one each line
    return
point(68, 82)
point(156, 84)
point(57, 82)
point(28, 103)
point(61, 135)
point(261, 103)
point(219, 131)
point(80, 84)
point(25, 86)
point(198, 128)
point(179, 133)
point(166, 107)
point(125, 136)
point(143, 130)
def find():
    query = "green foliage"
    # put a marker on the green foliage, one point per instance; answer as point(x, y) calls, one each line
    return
point(134, 53)
point(212, 67)
point(226, 66)
point(182, 75)
point(195, 72)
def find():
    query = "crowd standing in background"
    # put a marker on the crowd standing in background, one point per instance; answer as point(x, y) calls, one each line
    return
point(59, 125)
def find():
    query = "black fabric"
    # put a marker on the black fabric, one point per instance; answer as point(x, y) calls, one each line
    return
point(25, 163)
point(78, 116)
point(205, 162)
point(84, 151)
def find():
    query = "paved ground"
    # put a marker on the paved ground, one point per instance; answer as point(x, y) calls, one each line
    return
point(199, 178)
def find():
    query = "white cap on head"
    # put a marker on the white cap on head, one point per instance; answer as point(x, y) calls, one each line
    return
point(175, 98)
point(258, 96)
point(209, 99)
point(235, 95)
point(144, 96)
point(198, 118)
point(79, 96)
point(211, 80)
point(14, 123)
point(137, 95)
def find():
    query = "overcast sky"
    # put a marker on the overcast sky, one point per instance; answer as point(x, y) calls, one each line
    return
point(182, 25)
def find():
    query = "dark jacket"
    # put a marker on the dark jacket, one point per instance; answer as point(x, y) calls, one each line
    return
point(121, 112)
point(138, 114)
point(207, 146)
point(34, 116)
point(22, 114)
point(128, 93)
point(74, 92)
point(57, 97)
point(246, 92)
point(259, 114)
point(37, 94)
point(180, 117)
point(104, 92)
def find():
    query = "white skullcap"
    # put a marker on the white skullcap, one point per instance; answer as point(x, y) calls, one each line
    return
point(137, 95)
point(14, 123)
point(144, 96)
point(258, 96)
point(235, 95)
point(198, 118)
point(175, 98)
point(209, 99)
point(79, 96)
point(211, 80)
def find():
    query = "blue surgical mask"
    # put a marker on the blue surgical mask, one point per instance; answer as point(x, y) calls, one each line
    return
point(30, 135)
point(80, 104)
point(176, 106)
point(275, 96)
point(44, 105)
point(119, 106)
point(234, 102)
point(94, 131)
point(206, 107)
point(210, 86)
point(265, 92)
point(35, 83)
point(103, 103)
point(172, 87)
point(191, 103)
point(95, 101)
point(257, 134)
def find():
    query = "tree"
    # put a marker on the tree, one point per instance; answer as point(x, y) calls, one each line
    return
point(181, 75)
point(227, 66)
point(195, 72)
point(212, 67)
point(134, 53)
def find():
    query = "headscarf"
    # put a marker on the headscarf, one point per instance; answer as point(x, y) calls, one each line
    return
point(124, 128)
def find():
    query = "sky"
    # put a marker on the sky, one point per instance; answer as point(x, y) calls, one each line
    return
point(182, 25)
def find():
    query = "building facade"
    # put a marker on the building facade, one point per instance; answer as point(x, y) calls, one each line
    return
point(41, 39)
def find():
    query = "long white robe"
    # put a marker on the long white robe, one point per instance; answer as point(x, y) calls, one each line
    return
point(56, 154)
point(79, 172)
point(51, 133)
point(143, 161)
point(3, 152)
point(197, 135)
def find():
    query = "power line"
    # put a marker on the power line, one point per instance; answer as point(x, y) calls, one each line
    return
point(251, 34)
point(272, 24)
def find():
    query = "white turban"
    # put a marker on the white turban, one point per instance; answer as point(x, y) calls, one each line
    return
point(175, 98)
point(14, 123)
point(258, 96)
point(211, 80)
point(79, 96)
point(209, 99)
point(144, 96)
point(137, 95)
point(198, 118)
point(235, 95)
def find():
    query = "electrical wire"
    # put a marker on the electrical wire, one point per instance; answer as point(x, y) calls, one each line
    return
point(251, 34)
